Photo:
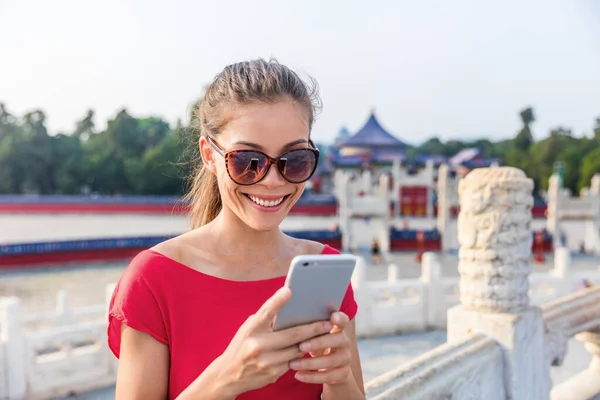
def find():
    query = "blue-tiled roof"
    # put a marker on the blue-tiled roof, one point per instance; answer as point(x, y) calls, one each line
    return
point(373, 135)
point(436, 158)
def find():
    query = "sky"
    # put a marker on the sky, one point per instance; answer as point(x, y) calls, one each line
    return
point(456, 69)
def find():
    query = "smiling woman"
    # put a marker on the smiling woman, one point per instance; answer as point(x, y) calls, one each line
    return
point(192, 317)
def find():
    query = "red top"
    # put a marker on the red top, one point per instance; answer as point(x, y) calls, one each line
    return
point(197, 315)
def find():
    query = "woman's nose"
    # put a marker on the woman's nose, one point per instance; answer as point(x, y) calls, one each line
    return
point(273, 178)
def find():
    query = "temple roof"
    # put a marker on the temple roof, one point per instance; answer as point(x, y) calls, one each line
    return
point(471, 158)
point(372, 135)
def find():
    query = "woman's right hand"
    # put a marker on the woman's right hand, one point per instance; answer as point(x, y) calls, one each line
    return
point(258, 356)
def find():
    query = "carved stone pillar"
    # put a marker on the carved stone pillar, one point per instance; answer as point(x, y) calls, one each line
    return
point(495, 237)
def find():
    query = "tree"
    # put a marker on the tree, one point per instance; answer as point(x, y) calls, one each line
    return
point(590, 165)
point(85, 127)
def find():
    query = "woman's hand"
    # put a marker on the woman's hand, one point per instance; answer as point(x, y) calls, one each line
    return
point(331, 356)
point(258, 356)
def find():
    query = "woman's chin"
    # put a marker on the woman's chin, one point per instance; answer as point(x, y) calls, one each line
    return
point(263, 224)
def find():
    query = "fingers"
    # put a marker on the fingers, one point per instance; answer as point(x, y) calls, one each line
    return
point(293, 336)
point(267, 312)
point(330, 361)
point(340, 320)
point(286, 355)
point(331, 376)
point(320, 343)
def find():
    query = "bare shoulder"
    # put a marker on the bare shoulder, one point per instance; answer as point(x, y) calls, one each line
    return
point(183, 247)
point(303, 246)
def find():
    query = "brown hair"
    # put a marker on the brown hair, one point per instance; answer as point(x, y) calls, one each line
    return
point(256, 81)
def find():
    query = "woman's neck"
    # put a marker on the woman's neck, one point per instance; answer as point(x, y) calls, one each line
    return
point(233, 236)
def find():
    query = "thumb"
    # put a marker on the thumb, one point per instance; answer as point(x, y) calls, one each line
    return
point(268, 311)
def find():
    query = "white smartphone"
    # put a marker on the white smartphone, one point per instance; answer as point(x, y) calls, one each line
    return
point(318, 284)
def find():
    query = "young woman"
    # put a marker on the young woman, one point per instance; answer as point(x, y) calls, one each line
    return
point(192, 317)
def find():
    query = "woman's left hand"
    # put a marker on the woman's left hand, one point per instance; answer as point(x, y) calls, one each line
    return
point(331, 357)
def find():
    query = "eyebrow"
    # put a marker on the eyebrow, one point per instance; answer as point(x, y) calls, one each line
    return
point(259, 147)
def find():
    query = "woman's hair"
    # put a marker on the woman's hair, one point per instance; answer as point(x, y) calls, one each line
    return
point(248, 82)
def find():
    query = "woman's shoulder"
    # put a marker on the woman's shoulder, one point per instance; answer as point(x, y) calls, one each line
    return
point(304, 246)
point(156, 261)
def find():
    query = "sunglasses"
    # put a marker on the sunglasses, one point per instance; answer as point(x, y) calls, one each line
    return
point(247, 167)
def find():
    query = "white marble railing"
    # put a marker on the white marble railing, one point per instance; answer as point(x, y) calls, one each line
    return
point(468, 369)
point(472, 368)
point(53, 354)
point(500, 346)
point(413, 305)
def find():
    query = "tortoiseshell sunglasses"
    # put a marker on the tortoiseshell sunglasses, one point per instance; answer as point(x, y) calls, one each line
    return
point(247, 167)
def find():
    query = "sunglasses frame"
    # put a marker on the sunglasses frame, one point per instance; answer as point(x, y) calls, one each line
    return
point(270, 160)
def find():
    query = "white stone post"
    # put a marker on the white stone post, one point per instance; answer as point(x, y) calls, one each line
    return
point(553, 209)
point(367, 182)
point(431, 275)
point(443, 216)
point(363, 298)
point(343, 180)
point(562, 262)
point(494, 264)
point(396, 168)
point(429, 177)
point(383, 229)
point(112, 363)
point(593, 225)
point(63, 314)
point(393, 273)
point(13, 340)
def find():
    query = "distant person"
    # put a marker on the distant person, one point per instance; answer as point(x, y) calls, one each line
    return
point(192, 317)
point(375, 252)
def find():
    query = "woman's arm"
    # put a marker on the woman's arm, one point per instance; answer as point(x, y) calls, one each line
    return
point(143, 367)
point(144, 372)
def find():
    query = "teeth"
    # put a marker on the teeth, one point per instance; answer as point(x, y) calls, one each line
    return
point(266, 203)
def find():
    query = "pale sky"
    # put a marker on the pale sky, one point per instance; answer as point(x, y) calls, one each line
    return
point(456, 69)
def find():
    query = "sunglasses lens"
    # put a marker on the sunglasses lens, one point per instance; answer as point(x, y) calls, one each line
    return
point(246, 167)
point(298, 165)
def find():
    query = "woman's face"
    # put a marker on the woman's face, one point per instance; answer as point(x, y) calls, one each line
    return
point(272, 129)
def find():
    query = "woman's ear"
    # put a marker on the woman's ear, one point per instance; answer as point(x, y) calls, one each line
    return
point(208, 155)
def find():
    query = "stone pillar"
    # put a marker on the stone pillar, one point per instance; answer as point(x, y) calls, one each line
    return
point(364, 318)
point(344, 209)
point(383, 229)
point(443, 216)
point(396, 168)
point(435, 303)
point(553, 209)
point(594, 228)
point(494, 264)
point(15, 355)
point(367, 182)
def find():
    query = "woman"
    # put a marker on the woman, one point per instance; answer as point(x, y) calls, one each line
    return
point(191, 318)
